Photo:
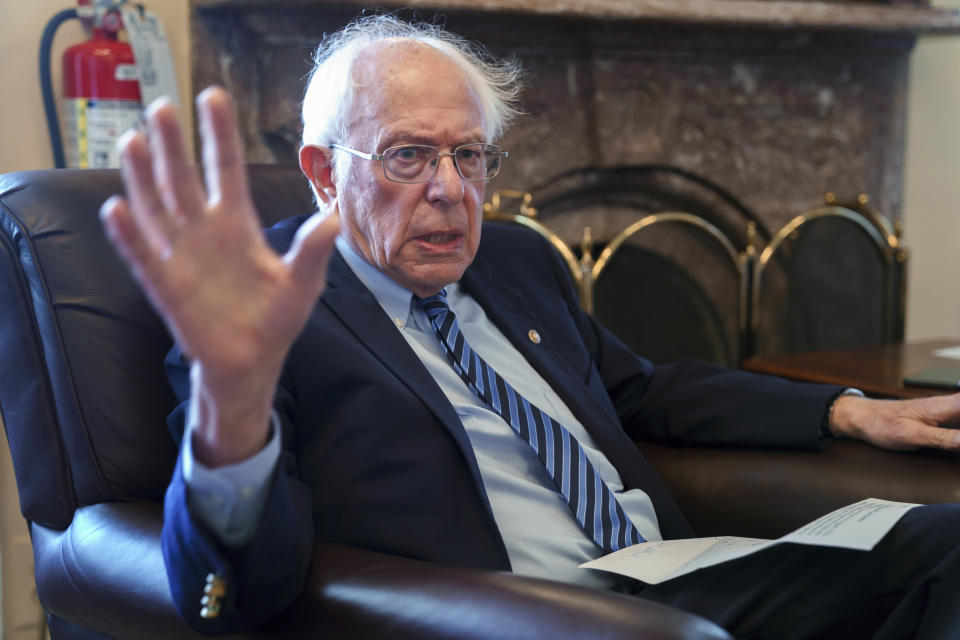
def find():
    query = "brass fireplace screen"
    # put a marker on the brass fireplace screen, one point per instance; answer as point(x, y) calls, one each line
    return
point(711, 282)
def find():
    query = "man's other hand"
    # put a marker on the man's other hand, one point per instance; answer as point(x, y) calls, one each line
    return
point(901, 425)
point(229, 300)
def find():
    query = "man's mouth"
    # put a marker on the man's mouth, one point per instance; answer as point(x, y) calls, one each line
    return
point(439, 238)
point(441, 241)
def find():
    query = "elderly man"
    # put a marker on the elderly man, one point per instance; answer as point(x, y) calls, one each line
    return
point(446, 399)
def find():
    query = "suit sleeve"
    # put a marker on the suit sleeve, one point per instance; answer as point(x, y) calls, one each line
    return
point(695, 403)
point(229, 499)
point(261, 577)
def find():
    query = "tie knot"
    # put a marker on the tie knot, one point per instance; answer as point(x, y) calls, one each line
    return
point(435, 304)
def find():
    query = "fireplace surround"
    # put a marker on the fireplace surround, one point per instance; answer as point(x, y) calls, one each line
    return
point(773, 103)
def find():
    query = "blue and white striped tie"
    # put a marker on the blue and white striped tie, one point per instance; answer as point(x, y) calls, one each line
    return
point(593, 504)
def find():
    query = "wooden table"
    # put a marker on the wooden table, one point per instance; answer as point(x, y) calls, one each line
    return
point(877, 371)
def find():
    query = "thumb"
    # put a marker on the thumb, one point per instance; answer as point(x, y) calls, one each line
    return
point(311, 250)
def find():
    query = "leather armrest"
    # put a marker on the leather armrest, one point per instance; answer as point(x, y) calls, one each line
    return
point(399, 598)
point(105, 572)
point(766, 494)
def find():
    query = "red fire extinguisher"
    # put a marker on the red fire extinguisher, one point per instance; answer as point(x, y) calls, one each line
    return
point(101, 93)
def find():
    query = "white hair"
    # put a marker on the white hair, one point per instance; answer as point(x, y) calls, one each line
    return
point(332, 86)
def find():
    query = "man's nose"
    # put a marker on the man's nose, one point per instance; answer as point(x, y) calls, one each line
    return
point(446, 184)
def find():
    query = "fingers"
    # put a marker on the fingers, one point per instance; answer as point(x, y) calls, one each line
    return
point(948, 439)
point(145, 203)
point(224, 164)
point(951, 438)
point(173, 170)
point(311, 250)
point(929, 420)
point(936, 438)
point(941, 410)
point(131, 243)
point(938, 413)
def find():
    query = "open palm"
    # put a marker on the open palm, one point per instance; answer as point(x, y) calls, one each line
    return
point(232, 303)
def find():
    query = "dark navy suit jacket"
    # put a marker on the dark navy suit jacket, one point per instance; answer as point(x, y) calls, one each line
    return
point(376, 457)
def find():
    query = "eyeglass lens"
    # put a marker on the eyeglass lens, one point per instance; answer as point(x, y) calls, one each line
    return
point(418, 163)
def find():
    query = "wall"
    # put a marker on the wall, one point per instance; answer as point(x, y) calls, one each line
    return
point(932, 188)
point(25, 145)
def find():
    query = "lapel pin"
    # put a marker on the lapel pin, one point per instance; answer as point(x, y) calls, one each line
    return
point(534, 336)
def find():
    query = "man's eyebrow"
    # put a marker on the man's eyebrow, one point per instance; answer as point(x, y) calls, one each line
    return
point(401, 138)
point(404, 138)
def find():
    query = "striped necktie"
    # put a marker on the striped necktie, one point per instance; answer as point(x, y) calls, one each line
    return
point(593, 504)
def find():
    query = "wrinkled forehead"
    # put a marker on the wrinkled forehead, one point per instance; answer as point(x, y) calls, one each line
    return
point(396, 76)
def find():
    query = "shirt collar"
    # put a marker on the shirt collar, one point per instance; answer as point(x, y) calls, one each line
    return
point(393, 298)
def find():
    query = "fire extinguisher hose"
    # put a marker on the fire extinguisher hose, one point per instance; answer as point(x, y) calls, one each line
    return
point(46, 84)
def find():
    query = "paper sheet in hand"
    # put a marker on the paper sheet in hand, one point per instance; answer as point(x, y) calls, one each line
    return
point(857, 526)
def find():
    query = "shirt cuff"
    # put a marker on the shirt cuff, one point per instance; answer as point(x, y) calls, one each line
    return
point(825, 425)
point(230, 499)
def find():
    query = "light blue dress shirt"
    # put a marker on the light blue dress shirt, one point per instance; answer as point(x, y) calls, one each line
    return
point(538, 529)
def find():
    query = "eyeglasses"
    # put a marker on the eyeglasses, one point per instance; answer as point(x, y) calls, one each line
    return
point(413, 163)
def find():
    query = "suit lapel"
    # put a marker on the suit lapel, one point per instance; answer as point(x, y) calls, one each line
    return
point(360, 312)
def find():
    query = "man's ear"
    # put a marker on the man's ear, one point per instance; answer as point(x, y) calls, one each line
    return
point(315, 165)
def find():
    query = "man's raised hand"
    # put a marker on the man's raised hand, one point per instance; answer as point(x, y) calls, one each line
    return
point(231, 302)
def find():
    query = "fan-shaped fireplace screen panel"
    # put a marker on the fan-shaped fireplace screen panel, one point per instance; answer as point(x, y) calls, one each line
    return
point(656, 252)
point(679, 268)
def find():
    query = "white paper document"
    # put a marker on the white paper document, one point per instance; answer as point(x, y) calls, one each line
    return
point(948, 352)
point(857, 526)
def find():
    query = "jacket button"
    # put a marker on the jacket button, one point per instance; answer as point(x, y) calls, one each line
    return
point(215, 589)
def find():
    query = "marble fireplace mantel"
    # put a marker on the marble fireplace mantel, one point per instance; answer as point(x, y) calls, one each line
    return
point(779, 101)
point(901, 17)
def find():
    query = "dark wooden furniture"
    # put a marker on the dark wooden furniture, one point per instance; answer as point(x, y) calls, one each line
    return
point(876, 370)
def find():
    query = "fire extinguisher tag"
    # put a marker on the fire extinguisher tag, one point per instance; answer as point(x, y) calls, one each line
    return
point(152, 54)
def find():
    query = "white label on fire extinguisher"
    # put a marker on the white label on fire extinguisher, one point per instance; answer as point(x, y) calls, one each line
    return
point(152, 53)
point(126, 73)
point(92, 128)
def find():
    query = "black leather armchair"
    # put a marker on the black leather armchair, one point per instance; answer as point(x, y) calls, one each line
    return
point(84, 398)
